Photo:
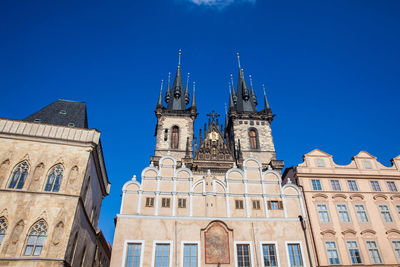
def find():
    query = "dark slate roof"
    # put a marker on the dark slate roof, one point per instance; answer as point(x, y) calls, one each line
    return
point(62, 112)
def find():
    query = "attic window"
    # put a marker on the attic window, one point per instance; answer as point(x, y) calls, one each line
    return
point(367, 164)
point(71, 124)
point(320, 163)
point(37, 120)
point(63, 112)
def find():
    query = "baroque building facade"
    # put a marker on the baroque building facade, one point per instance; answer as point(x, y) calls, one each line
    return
point(52, 182)
point(353, 210)
point(215, 200)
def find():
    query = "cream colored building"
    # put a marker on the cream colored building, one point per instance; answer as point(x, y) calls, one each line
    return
point(52, 182)
point(354, 209)
point(217, 203)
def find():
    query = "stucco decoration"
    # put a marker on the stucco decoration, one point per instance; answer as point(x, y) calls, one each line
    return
point(216, 244)
point(37, 173)
point(4, 166)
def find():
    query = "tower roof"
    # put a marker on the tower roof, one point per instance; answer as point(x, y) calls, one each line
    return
point(177, 98)
point(62, 112)
point(245, 99)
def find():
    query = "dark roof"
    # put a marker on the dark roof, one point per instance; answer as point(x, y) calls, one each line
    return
point(62, 112)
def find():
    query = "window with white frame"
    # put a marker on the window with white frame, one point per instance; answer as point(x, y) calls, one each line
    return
point(190, 257)
point(391, 186)
point(385, 213)
point(354, 252)
point(352, 185)
point(343, 213)
point(375, 186)
point(374, 252)
point(361, 213)
point(323, 213)
point(162, 255)
point(294, 253)
point(316, 185)
point(333, 255)
point(396, 247)
point(269, 255)
point(133, 255)
point(243, 255)
point(335, 184)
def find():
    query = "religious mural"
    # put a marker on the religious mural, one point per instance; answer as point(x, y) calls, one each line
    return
point(216, 244)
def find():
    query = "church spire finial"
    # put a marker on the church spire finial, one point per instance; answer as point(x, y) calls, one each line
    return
point(159, 103)
point(233, 93)
point(168, 93)
point(194, 97)
point(238, 58)
point(252, 94)
point(266, 104)
point(179, 58)
point(187, 89)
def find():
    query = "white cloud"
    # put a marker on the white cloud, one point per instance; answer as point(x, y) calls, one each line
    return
point(219, 3)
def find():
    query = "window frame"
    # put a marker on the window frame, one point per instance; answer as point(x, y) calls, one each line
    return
point(317, 185)
point(240, 206)
point(363, 211)
point(323, 211)
point(397, 255)
point(10, 179)
point(374, 248)
point(391, 189)
point(173, 138)
point(338, 183)
point(386, 211)
point(303, 259)
point(187, 242)
point(350, 187)
point(252, 129)
point(249, 243)
point(337, 252)
point(181, 203)
point(256, 204)
point(147, 203)
point(167, 203)
point(125, 253)
point(261, 243)
point(52, 186)
point(3, 228)
point(346, 211)
point(162, 242)
point(36, 241)
point(359, 252)
point(377, 184)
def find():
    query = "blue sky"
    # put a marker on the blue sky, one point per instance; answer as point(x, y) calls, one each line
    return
point(331, 69)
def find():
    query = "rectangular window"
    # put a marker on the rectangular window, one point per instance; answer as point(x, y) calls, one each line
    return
point(274, 205)
point(295, 257)
point(256, 204)
point(361, 213)
point(316, 185)
point(190, 255)
point(374, 252)
point(133, 255)
point(396, 247)
point(162, 255)
point(239, 204)
point(149, 201)
point(355, 255)
point(269, 255)
point(375, 186)
point(181, 203)
point(336, 185)
point(385, 213)
point(165, 202)
point(243, 255)
point(392, 186)
point(333, 255)
point(352, 185)
point(343, 214)
point(323, 213)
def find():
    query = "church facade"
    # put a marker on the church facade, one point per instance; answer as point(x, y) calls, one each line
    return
point(212, 200)
point(52, 182)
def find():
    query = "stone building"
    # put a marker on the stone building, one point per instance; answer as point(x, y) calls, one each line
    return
point(52, 183)
point(215, 200)
point(353, 210)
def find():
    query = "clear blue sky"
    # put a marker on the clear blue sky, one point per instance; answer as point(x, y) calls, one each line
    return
point(331, 69)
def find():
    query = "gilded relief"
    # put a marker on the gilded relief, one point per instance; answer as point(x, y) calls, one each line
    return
point(216, 244)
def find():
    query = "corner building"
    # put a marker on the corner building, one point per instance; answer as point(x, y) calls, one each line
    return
point(52, 183)
point(211, 200)
point(354, 209)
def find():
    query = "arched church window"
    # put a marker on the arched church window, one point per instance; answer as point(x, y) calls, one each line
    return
point(19, 175)
point(175, 137)
point(3, 228)
point(36, 237)
point(54, 179)
point(253, 139)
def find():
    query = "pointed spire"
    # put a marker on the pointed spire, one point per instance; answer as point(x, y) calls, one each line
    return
point(159, 103)
point(179, 58)
point(252, 94)
point(234, 97)
point(168, 93)
point(187, 89)
point(238, 58)
point(226, 114)
point(177, 100)
point(194, 95)
point(266, 104)
point(245, 89)
point(243, 94)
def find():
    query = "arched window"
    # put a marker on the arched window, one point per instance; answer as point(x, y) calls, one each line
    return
point(175, 137)
point(19, 175)
point(253, 139)
point(3, 228)
point(54, 179)
point(36, 237)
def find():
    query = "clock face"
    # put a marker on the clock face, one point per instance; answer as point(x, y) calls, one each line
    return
point(213, 136)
